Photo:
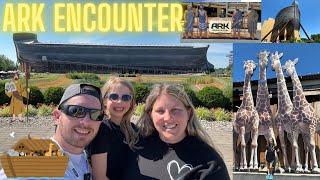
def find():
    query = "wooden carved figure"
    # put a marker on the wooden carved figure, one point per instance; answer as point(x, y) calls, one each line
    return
point(16, 93)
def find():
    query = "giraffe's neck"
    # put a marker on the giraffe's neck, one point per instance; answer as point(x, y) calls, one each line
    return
point(263, 92)
point(299, 99)
point(284, 100)
point(263, 73)
point(247, 93)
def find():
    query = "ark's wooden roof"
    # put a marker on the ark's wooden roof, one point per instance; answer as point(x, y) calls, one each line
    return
point(35, 144)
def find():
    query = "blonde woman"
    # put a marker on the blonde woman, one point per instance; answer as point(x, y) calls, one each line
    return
point(172, 144)
point(116, 134)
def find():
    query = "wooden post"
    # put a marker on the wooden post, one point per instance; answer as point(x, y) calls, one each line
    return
point(27, 76)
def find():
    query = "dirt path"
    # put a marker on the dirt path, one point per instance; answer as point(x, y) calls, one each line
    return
point(60, 81)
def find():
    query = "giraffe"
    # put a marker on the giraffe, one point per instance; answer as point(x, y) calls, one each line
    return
point(263, 100)
point(247, 120)
point(303, 118)
point(282, 119)
point(285, 106)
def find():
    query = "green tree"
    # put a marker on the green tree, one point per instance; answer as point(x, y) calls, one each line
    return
point(6, 64)
point(229, 67)
point(315, 36)
point(226, 72)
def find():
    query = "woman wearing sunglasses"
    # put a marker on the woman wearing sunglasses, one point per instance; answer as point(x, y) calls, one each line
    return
point(172, 144)
point(110, 147)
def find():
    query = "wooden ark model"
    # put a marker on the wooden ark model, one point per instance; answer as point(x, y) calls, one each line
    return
point(37, 158)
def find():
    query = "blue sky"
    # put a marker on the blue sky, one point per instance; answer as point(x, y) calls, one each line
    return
point(216, 53)
point(309, 15)
point(307, 53)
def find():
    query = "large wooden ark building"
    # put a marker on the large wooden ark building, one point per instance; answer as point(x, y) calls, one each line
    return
point(63, 58)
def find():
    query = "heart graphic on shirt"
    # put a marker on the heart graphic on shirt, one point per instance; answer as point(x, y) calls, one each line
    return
point(175, 171)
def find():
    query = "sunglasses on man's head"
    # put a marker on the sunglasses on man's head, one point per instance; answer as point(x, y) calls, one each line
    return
point(80, 112)
point(115, 97)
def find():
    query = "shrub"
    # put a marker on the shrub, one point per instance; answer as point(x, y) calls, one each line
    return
point(45, 110)
point(211, 97)
point(4, 111)
point(35, 96)
point(227, 104)
point(3, 97)
point(82, 76)
point(141, 91)
point(139, 109)
point(222, 115)
point(53, 94)
point(204, 114)
point(32, 111)
point(193, 97)
point(228, 91)
point(228, 94)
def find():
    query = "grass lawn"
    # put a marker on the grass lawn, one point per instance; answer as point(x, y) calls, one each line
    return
point(44, 81)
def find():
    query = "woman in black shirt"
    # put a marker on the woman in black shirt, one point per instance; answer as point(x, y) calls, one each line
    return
point(172, 144)
point(271, 157)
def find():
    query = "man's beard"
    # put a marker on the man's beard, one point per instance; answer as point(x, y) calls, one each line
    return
point(73, 141)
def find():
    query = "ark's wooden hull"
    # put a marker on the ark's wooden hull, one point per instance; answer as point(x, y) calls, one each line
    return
point(64, 58)
point(288, 18)
point(34, 166)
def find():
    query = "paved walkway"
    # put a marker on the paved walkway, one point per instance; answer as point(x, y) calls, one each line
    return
point(223, 142)
point(221, 139)
point(286, 176)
